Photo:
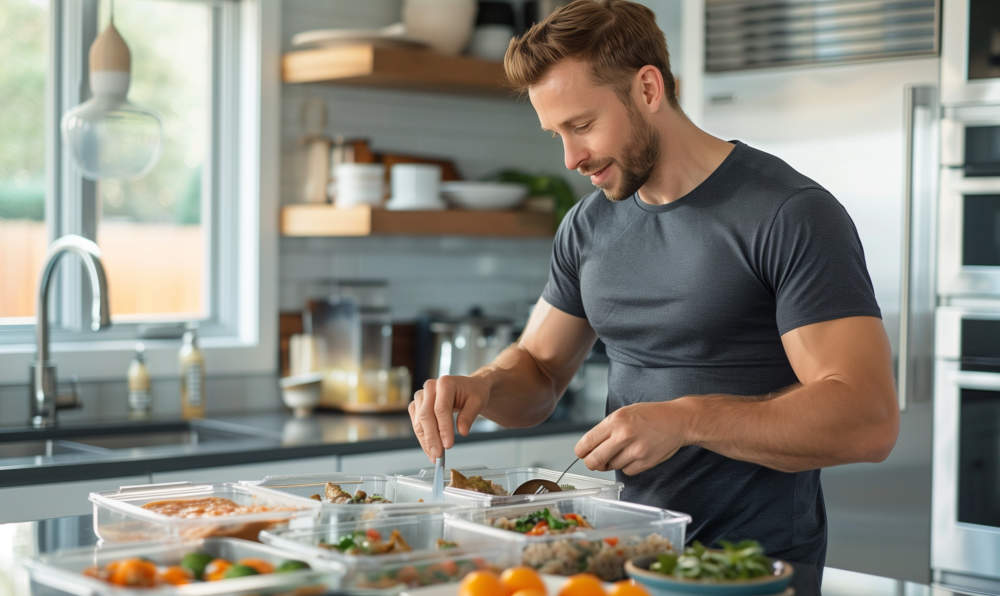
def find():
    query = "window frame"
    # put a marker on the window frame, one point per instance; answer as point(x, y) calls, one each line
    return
point(240, 334)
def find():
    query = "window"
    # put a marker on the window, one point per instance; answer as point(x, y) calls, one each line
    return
point(24, 52)
point(150, 230)
point(193, 238)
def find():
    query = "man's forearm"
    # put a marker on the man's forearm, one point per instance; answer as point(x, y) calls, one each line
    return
point(820, 424)
point(521, 393)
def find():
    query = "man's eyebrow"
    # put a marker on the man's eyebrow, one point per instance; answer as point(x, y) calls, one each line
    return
point(569, 121)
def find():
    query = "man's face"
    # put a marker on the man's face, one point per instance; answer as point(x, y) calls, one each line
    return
point(602, 138)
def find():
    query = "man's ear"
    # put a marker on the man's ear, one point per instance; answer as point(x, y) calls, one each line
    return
point(648, 84)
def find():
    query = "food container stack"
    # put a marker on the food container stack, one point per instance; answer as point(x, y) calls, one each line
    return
point(574, 535)
point(184, 511)
point(503, 481)
point(242, 567)
point(395, 553)
point(346, 497)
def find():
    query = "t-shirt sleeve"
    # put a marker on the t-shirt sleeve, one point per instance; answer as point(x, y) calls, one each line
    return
point(815, 264)
point(562, 290)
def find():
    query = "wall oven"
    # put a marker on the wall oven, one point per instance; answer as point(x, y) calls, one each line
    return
point(965, 549)
point(970, 52)
point(969, 205)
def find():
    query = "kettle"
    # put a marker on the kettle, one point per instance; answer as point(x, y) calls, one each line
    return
point(463, 345)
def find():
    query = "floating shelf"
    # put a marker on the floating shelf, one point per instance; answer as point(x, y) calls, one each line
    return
point(326, 220)
point(401, 68)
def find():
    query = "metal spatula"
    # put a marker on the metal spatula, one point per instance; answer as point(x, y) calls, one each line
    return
point(437, 492)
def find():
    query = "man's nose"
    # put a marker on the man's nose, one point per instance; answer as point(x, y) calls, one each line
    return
point(573, 154)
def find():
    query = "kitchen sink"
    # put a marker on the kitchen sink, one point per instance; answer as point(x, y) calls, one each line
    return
point(11, 449)
point(108, 439)
point(193, 435)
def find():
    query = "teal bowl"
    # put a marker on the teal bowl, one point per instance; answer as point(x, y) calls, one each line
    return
point(664, 585)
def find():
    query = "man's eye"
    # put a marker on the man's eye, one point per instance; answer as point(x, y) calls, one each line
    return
point(582, 128)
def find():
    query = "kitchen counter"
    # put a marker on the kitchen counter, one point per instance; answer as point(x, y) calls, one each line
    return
point(253, 438)
point(30, 538)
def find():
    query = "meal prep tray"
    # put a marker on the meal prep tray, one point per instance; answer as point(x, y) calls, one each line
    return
point(393, 572)
point(620, 531)
point(61, 572)
point(119, 515)
point(419, 486)
point(404, 501)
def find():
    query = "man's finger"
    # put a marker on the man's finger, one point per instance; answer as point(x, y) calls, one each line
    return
point(600, 457)
point(592, 438)
point(428, 422)
point(444, 406)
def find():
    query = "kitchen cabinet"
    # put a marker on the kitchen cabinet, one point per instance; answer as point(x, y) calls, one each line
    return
point(314, 465)
point(43, 501)
point(368, 65)
point(364, 220)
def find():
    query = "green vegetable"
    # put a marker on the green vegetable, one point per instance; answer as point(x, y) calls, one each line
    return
point(196, 562)
point(291, 565)
point(744, 560)
point(555, 521)
point(239, 571)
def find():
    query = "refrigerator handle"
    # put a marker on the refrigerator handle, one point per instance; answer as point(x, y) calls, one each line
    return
point(916, 97)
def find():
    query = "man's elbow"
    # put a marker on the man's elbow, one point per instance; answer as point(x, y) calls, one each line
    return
point(882, 432)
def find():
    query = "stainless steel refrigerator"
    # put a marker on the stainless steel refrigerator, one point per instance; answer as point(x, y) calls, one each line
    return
point(868, 133)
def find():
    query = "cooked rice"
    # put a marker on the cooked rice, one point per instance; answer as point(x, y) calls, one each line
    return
point(567, 557)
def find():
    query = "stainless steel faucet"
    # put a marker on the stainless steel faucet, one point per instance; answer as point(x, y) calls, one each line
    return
point(43, 402)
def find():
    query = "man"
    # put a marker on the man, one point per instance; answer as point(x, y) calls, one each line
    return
point(746, 348)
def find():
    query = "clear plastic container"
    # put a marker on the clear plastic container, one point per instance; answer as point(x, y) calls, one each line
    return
point(419, 486)
point(426, 564)
point(119, 516)
point(399, 502)
point(61, 572)
point(619, 532)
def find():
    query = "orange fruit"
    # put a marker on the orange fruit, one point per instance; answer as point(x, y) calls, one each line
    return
point(521, 578)
point(627, 587)
point(582, 584)
point(529, 592)
point(481, 583)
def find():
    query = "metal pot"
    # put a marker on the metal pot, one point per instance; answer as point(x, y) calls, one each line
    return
point(461, 346)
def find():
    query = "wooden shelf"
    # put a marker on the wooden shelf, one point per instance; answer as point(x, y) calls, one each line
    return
point(326, 220)
point(401, 68)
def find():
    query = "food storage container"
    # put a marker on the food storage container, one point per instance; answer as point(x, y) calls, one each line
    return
point(396, 501)
point(61, 572)
point(426, 564)
point(619, 532)
point(509, 479)
point(120, 516)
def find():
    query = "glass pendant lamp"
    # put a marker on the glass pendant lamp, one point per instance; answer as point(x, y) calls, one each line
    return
point(108, 136)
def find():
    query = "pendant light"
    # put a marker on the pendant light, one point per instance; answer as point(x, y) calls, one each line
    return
point(108, 136)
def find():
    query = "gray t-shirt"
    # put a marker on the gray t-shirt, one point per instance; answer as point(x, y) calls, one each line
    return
point(692, 298)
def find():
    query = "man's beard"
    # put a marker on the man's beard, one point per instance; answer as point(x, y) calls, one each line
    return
point(639, 159)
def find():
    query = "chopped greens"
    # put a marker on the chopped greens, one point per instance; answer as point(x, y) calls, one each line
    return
point(743, 560)
point(544, 521)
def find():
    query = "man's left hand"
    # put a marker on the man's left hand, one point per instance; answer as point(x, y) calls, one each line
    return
point(635, 438)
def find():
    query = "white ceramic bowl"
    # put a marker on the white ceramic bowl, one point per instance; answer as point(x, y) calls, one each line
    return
point(484, 195)
point(445, 25)
point(301, 392)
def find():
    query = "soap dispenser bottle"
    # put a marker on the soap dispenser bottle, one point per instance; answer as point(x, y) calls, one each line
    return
point(140, 402)
point(192, 370)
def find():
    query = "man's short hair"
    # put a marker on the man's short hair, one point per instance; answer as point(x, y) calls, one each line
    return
point(615, 37)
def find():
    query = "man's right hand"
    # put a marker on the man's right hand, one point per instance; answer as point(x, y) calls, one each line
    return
point(433, 407)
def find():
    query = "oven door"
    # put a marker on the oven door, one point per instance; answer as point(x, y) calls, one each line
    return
point(969, 203)
point(970, 52)
point(966, 492)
